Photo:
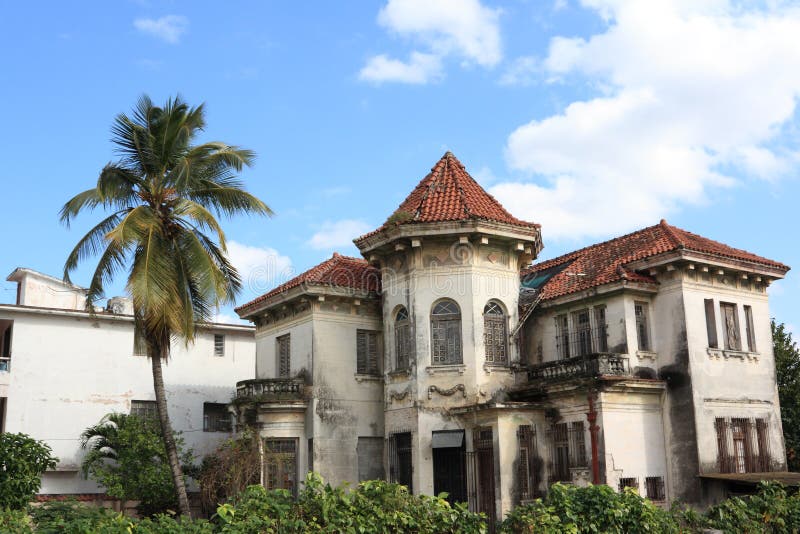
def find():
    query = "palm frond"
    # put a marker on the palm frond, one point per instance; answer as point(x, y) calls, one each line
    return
point(92, 243)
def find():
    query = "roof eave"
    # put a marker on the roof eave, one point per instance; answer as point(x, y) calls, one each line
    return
point(600, 290)
point(718, 260)
point(305, 289)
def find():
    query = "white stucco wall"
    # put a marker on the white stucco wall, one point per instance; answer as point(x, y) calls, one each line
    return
point(69, 370)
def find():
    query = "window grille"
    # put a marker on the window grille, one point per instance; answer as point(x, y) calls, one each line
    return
point(399, 454)
point(655, 489)
point(628, 482)
point(494, 333)
point(446, 333)
point(601, 329)
point(528, 456)
point(730, 326)
point(284, 356)
point(402, 339)
point(280, 464)
point(216, 417)
point(642, 325)
point(568, 447)
point(219, 345)
point(583, 333)
point(742, 445)
point(144, 409)
point(367, 352)
point(562, 336)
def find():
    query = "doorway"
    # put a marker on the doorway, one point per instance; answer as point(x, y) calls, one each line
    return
point(449, 465)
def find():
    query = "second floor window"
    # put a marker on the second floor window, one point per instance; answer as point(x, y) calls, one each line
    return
point(446, 333)
point(402, 339)
point(494, 333)
point(730, 326)
point(751, 333)
point(562, 336)
point(284, 363)
point(642, 326)
point(367, 352)
point(583, 333)
point(144, 408)
point(219, 345)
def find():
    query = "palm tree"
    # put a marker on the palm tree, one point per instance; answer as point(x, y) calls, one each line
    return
point(165, 194)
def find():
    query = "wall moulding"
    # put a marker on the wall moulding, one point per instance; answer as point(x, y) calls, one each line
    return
point(447, 392)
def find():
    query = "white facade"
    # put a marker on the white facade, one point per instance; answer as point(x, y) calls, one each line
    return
point(67, 369)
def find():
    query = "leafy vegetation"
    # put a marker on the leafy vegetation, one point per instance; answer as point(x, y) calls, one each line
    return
point(126, 455)
point(22, 462)
point(787, 370)
point(165, 194)
point(227, 472)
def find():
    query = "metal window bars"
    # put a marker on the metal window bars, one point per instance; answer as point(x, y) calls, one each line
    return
point(582, 342)
point(528, 456)
point(655, 490)
point(742, 445)
point(568, 449)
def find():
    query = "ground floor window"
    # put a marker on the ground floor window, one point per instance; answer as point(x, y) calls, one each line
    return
point(280, 464)
point(655, 488)
point(400, 467)
point(449, 465)
point(629, 482)
point(528, 460)
point(742, 445)
point(568, 446)
point(216, 417)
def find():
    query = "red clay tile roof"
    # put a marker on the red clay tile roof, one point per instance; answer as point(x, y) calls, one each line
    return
point(606, 262)
point(449, 193)
point(337, 271)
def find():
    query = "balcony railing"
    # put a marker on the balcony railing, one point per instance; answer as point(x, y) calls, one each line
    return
point(589, 366)
point(270, 389)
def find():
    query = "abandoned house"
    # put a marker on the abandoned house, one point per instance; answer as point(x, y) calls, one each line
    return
point(62, 369)
point(450, 360)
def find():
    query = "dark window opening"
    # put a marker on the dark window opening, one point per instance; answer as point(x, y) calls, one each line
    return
point(562, 336)
point(751, 333)
point(742, 445)
point(711, 324)
point(482, 488)
point(400, 460)
point(601, 329)
point(629, 482)
point(449, 465)
point(642, 326)
point(528, 482)
point(6, 329)
point(568, 446)
point(655, 488)
point(216, 417)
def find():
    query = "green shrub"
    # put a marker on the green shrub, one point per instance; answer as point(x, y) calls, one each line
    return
point(373, 506)
point(592, 509)
point(22, 462)
point(15, 522)
point(126, 456)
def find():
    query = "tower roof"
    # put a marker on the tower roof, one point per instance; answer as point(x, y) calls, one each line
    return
point(449, 193)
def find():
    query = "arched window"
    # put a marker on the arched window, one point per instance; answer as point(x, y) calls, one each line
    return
point(494, 333)
point(402, 339)
point(446, 333)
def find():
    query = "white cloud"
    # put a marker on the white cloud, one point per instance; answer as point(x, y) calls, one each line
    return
point(228, 318)
point(338, 234)
point(261, 268)
point(523, 70)
point(168, 28)
point(465, 29)
point(420, 69)
point(694, 96)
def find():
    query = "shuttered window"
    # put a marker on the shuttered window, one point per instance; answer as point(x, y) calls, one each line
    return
point(642, 325)
point(219, 345)
point(730, 326)
point(494, 333)
point(446, 333)
point(367, 352)
point(751, 334)
point(284, 364)
point(402, 339)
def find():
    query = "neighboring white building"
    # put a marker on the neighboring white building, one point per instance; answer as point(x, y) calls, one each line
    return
point(447, 361)
point(62, 369)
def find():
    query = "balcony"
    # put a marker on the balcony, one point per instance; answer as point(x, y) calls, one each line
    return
point(269, 390)
point(588, 366)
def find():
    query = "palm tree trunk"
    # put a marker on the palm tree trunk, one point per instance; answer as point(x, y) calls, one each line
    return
point(166, 428)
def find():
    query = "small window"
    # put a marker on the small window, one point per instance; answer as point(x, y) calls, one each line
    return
point(629, 482)
point(730, 326)
point(144, 408)
point(751, 333)
point(655, 488)
point(283, 350)
point(139, 346)
point(6, 328)
point(400, 460)
point(494, 333)
point(367, 352)
point(219, 345)
point(216, 417)
point(583, 333)
point(642, 326)
point(711, 324)
point(446, 333)
point(402, 339)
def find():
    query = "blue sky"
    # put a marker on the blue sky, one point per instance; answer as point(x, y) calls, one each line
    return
point(593, 118)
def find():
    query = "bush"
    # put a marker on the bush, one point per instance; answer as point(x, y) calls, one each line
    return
point(591, 509)
point(22, 462)
point(373, 506)
point(15, 522)
point(235, 465)
point(127, 457)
